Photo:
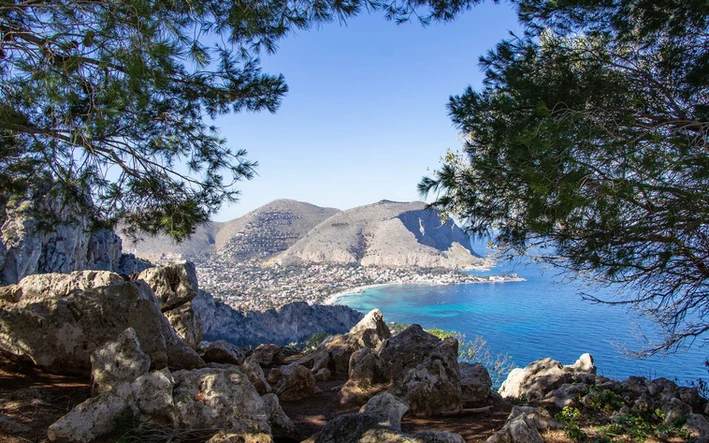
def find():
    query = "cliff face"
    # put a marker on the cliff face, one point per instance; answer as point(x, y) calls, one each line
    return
point(291, 323)
point(385, 234)
point(30, 244)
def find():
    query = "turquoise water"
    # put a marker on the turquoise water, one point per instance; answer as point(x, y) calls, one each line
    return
point(533, 319)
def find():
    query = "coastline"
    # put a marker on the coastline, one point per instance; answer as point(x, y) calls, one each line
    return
point(504, 278)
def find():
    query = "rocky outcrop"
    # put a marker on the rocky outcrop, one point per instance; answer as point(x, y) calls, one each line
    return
point(197, 399)
point(43, 234)
point(335, 352)
point(547, 384)
point(293, 322)
point(475, 382)
point(296, 382)
point(82, 311)
point(543, 376)
point(175, 285)
point(415, 365)
point(385, 234)
point(222, 351)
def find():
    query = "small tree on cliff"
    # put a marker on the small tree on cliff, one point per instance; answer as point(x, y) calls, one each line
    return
point(590, 136)
point(112, 96)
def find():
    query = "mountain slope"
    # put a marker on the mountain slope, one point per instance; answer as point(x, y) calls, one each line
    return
point(261, 233)
point(384, 234)
point(269, 230)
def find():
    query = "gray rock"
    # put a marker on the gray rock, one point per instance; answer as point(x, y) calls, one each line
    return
point(218, 398)
point(367, 376)
point(413, 364)
point(221, 351)
point(565, 395)
point(698, 426)
point(475, 382)
point(543, 376)
point(255, 374)
point(118, 362)
point(281, 424)
point(187, 323)
point(388, 408)
point(424, 370)
point(152, 397)
point(90, 419)
point(28, 246)
point(675, 409)
point(296, 383)
point(373, 320)
point(267, 355)
point(583, 365)
point(174, 284)
point(524, 425)
point(81, 311)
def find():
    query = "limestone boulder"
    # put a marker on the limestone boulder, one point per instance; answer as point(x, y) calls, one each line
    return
point(267, 355)
point(187, 323)
point(424, 370)
point(475, 382)
point(90, 419)
point(543, 376)
point(388, 408)
point(296, 383)
point(524, 425)
point(221, 351)
point(117, 362)
point(174, 284)
point(698, 427)
point(418, 366)
point(218, 398)
point(82, 311)
point(335, 352)
point(374, 320)
point(256, 376)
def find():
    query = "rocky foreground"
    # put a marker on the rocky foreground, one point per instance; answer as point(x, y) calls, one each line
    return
point(141, 342)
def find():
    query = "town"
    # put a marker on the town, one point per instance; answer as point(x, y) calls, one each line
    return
point(251, 286)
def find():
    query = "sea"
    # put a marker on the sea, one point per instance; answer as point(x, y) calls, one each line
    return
point(540, 317)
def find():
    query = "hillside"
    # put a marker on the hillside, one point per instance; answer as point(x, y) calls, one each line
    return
point(266, 231)
point(385, 233)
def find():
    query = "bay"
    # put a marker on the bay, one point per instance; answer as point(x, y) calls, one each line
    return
point(533, 319)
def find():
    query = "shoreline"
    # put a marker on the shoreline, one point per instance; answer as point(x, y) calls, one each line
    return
point(503, 278)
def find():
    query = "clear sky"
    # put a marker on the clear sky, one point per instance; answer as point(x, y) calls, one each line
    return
point(365, 113)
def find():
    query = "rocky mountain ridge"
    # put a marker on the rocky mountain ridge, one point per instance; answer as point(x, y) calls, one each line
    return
point(260, 234)
point(286, 232)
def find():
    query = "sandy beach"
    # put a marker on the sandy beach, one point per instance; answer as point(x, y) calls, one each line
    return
point(507, 278)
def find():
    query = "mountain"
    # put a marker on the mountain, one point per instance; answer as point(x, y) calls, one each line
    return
point(385, 234)
point(269, 230)
point(261, 233)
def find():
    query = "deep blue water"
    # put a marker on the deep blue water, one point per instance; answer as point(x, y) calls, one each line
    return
point(533, 319)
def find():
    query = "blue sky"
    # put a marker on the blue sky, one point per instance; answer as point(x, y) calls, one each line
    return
point(365, 113)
